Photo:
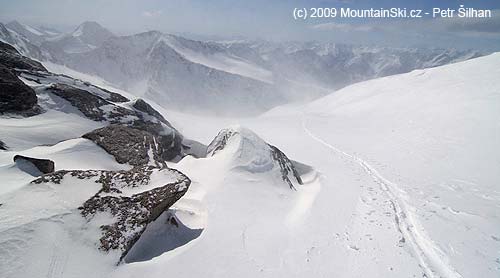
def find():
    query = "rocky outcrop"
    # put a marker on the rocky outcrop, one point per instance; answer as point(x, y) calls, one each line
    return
point(250, 153)
point(12, 59)
point(287, 168)
point(93, 107)
point(99, 104)
point(45, 166)
point(129, 199)
point(112, 96)
point(15, 96)
point(143, 106)
point(133, 134)
point(134, 146)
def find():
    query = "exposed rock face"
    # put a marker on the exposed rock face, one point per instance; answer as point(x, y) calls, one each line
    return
point(143, 106)
point(45, 166)
point(92, 106)
point(251, 153)
point(10, 58)
point(15, 96)
point(132, 134)
point(122, 196)
point(3, 146)
point(98, 104)
point(113, 97)
point(134, 146)
point(287, 168)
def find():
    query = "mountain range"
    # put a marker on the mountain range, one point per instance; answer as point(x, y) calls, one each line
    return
point(222, 77)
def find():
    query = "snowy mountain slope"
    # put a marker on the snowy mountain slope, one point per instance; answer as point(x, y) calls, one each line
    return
point(99, 201)
point(21, 43)
point(408, 185)
point(253, 76)
point(34, 35)
point(441, 154)
point(147, 65)
point(337, 65)
point(110, 209)
point(87, 36)
point(401, 182)
point(213, 56)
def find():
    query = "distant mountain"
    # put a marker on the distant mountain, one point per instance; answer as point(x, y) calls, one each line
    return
point(87, 36)
point(181, 74)
point(334, 65)
point(224, 77)
point(20, 43)
point(34, 35)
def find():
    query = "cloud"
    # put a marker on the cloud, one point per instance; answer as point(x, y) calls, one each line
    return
point(344, 27)
point(151, 13)
point(474, 25)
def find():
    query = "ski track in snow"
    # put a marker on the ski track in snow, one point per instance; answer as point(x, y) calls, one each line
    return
point(431, 259)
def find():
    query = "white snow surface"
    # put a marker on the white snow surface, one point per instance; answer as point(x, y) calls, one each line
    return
point(218, 59)
point(405, 183)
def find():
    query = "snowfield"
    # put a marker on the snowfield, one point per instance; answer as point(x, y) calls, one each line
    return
point(400, 178)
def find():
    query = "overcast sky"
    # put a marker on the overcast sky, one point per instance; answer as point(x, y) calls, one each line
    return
point(267, 19)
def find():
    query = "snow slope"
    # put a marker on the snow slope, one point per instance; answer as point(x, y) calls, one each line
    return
point(400, 179)
point(408, 184)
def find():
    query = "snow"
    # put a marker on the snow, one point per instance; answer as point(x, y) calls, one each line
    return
point(407, 184)
point(221, 61)
point(403, 182)
point(33, 30)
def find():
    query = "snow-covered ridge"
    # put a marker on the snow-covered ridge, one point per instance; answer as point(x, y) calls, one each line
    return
point(212, 56)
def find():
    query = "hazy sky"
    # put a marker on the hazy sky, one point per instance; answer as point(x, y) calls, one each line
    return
point(267, 19)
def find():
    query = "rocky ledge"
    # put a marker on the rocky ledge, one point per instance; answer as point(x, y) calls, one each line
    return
point(15, 96)
point(130, 200)
point(134, 130)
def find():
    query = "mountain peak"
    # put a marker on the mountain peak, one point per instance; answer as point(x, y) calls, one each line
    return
point(14, 23)
point(89, 28)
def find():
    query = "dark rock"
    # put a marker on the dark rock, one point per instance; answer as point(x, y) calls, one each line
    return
point(143, 106)
point(7, 48)
point(15, 96)
point(134, 146)
point(86, 102)
point(113, 97)
point(2, 145)
point(286, 166)
point(89, 104)
point(220, 141)
point(132, 134)
point(131, 212)
point(10, 58)
point(45, 166)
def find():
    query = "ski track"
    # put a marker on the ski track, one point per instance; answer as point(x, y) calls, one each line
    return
point(431, 259)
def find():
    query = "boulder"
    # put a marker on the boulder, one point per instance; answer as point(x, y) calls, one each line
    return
point(44, 166)
point(135, 146)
